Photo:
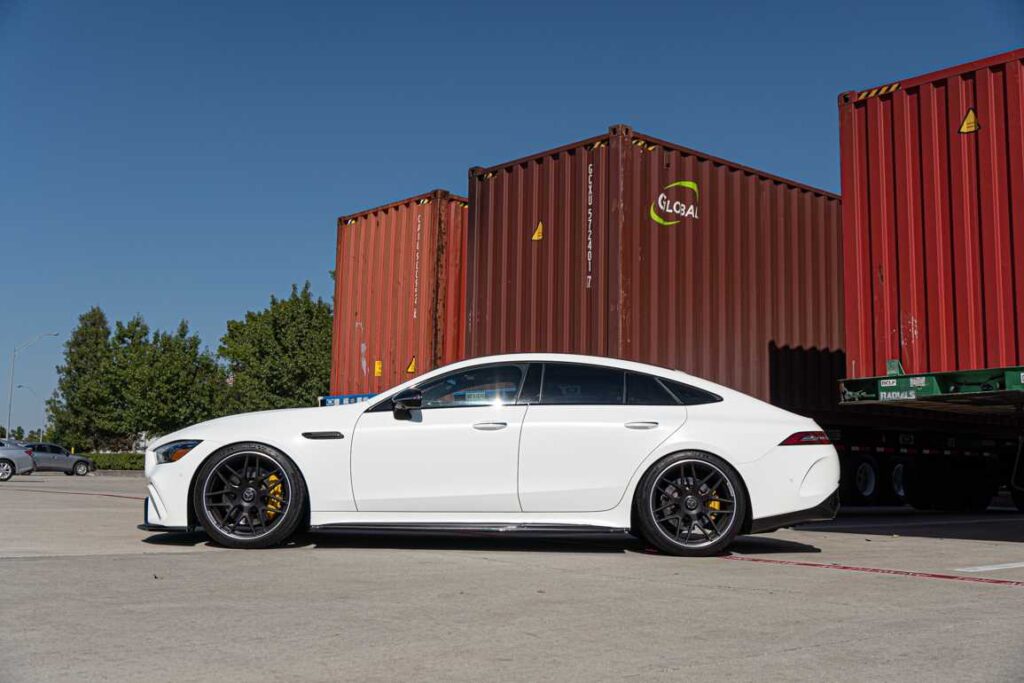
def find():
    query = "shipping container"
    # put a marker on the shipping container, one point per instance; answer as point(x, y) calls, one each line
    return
point(399, 297)
point(933, 220)
point(628, 246)
point(933, 215)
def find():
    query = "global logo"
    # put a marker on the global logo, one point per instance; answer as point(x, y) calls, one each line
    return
point(669, 210)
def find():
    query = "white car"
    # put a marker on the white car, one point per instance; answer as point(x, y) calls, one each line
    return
point(524, 442)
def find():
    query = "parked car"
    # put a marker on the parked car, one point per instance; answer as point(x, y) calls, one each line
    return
point(15, 458)
point(53, 458)
point(523, 442)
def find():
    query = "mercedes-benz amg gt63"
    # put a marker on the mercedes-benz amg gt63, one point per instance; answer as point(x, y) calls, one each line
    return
point(524, 442)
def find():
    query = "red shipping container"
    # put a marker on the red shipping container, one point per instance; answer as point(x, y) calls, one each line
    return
point(624, 245)
point(933, 217)
point(399, 296)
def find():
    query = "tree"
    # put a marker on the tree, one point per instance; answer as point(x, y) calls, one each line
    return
point(178, 384)
point(18, 432)
point(279, 357)
point(83, 408)
point(114, 388)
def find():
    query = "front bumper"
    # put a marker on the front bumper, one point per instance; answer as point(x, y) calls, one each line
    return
point(823, 512)
point(146, 526)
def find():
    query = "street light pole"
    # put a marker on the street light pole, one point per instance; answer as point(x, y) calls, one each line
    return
point(14, 358)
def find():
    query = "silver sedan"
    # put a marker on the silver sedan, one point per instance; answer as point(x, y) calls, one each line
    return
point(15, 459)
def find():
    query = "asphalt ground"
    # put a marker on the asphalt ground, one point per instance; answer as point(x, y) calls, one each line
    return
point(883, 593)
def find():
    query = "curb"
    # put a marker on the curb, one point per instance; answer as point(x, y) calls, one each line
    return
point(119, 473)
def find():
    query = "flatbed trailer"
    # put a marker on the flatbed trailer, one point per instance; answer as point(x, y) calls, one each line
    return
point(953, 470)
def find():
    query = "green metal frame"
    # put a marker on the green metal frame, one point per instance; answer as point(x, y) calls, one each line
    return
point(994, 390)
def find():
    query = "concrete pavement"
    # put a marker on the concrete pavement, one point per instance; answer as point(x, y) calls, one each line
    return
point(86, 596)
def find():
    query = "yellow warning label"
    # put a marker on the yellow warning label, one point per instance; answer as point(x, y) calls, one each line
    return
point(411, 367)
point(538, 234)
point(378, 368)
point(970, 124)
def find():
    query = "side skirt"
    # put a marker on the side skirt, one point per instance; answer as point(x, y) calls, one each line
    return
point(467, 528)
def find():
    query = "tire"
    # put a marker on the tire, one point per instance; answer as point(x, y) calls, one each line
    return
point(7, 469)
point(240, 504)
point(81, 468)
point(861, 480)
point(892, 490)
point(712, 500)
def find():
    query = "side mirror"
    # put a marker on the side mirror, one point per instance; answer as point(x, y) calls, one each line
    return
point(401, 404)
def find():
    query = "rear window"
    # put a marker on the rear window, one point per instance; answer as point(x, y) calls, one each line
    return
point(647, 390)
point(690, 396)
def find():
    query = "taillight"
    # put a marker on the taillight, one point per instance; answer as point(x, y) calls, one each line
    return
point(28, 452)
point(806, 439)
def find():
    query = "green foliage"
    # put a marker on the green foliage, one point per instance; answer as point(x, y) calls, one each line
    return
point(168, 380)
point(84, 406)
point(279, 357)
point(18, 433)
point(115, 387)
point(117, 461)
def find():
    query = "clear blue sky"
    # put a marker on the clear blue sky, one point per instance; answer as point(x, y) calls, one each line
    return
point(188, 159)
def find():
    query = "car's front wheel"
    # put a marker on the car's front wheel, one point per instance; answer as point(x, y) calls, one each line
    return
point(81, 468)
point(691, 503)
point(249, 496)
point(6, 470)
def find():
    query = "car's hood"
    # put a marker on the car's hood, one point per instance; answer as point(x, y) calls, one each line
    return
point(271, 425)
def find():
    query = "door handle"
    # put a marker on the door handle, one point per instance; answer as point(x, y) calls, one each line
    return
point(641, 425)
point(490, 426)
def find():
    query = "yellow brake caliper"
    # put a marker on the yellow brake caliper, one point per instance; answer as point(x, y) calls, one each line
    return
point(273, 489)
point(714, 504)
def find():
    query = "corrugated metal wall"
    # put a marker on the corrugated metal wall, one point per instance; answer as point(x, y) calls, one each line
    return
point(399, 292)
point(933, 186)
point(757, 268)
point(750, 281)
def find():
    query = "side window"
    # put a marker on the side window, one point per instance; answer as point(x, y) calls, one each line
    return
point(691, 396)
point(646, 390)
point(567, 384)
point(480, 386)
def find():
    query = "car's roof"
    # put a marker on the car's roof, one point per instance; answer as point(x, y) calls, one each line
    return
point(535, 357)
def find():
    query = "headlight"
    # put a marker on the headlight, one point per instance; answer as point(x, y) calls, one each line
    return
point(174, 451)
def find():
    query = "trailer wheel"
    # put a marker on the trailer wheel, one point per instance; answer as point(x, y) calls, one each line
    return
point(896, 481)
point(891, 488)
point(861, 480)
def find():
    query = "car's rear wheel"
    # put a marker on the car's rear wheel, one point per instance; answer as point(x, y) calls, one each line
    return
point(691, 503)
point(249, 496)
point(81, 468)
point(6, 470)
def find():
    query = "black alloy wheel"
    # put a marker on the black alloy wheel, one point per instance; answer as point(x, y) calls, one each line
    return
point(249, 496)
point(691, 504)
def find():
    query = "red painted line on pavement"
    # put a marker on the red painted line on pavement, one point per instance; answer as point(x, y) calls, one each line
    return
point(876, 570)
point(75, 493)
